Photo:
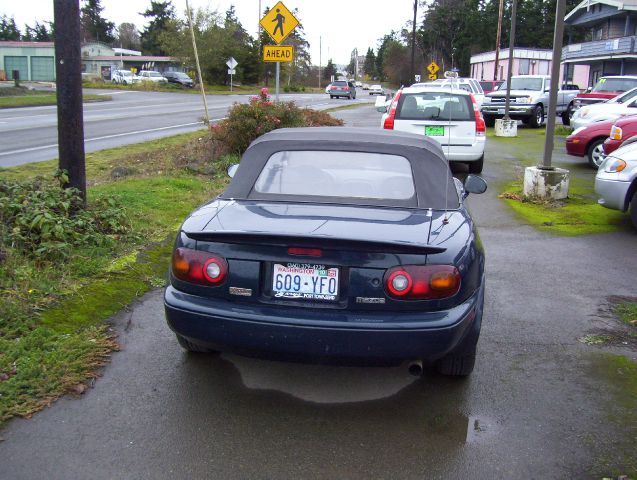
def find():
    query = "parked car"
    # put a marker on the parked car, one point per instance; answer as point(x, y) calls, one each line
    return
point(529, 101)
point(450, 117)
point(152, 76)
point(606, 88)
point(468, 84)
point(365, 86)
point(489, 86)
point(589, 142)
point(342, 88)
point(320, 250)
point(124, 77)
point(616, 181)
point(376, 90)
point(179, 78)
point(622, 105)
point(623, 129)
point(359, 84)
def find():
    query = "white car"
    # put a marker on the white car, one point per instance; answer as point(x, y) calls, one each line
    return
point(124, 77)
point(620, 106)
point(468, 84)
point(152, 76)
point(451, 117)
point(616, 179)
point(376, 90)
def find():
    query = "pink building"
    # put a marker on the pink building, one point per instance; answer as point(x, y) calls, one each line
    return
point(526, 61)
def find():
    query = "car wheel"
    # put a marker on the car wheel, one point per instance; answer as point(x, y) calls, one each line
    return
point(476, 166)
point(331, 97)
point(537, 119)
point(192, 347)
point(595, 153)
point(349, 96)
point(458, 364)
point(633, 210)
point(567, 114)
point(489, 120)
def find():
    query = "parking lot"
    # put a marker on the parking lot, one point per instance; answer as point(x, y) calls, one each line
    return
point(540, 403)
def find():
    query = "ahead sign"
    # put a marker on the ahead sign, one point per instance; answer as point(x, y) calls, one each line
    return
point(232, 63)
point(278, 53)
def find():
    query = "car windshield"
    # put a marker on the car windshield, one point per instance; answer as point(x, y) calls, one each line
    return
point(435, 106)
point(624, 97)
point(488, 86)
point(155, 74)
point(522, 83)
point(614, 85)
point(183, 76)
point(125, 73)
point(376, 87)
point(337, 174)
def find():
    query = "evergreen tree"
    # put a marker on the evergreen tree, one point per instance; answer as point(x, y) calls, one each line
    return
point(329, 70)
point(162, 16)
point(38, 33)
point(8, 28)
point(128, 37)
point(369, 67)
point(93, 25)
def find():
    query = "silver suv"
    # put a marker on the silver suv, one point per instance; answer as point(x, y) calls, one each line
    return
point(342, 88)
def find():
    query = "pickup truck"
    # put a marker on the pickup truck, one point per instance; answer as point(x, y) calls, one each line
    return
point(606, 88)
point(529, 100)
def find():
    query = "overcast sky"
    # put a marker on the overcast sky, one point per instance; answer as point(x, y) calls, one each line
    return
point(343, 25)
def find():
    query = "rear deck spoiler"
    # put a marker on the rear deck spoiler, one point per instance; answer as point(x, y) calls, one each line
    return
point(287, 240)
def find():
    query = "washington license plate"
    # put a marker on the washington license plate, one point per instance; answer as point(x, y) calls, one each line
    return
point(305, 282)
point(434, 131)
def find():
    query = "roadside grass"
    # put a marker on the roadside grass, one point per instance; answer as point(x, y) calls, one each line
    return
point(209, 89)
point(627, 313)
point(579, 214)
point(52, 335)
point(12, 97)
point(349, 106)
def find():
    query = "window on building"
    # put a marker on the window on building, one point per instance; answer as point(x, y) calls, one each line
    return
point(523, 66)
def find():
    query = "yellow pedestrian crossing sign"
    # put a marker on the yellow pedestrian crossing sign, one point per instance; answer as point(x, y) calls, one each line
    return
point(433, 68)
point(279, 22)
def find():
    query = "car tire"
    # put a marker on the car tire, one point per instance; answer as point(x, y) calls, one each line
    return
point(477, 165)
point(192, 347)
point(633, 210)
point(458, 364)
point(331, 97)
point(489, 120)
point(595, 153)
point(537, 119)
point(567, 114)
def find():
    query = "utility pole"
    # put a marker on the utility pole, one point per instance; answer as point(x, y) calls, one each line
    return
point(514, 10)
point(320, 60)
point(68, 73)
point(497, 42)
point(555, 81)
point(194, 47)
point(413, 42)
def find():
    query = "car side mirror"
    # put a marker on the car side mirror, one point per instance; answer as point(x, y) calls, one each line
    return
point(474, 184)
point(232, 169)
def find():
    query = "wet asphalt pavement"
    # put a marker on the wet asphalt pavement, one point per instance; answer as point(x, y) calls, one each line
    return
point(538, 404)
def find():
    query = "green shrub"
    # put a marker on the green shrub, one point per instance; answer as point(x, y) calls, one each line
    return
point(246, 122)
point(293, 88)
point(41, 219)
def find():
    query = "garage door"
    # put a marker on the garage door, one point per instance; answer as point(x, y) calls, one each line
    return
point(16, 63)
point(42, 68)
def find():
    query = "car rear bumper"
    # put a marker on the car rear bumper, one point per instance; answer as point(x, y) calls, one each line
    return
point(612, 192)
point(341, 93)
point(273, 332)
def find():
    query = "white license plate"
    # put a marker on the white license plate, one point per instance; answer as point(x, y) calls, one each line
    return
point(305, 282)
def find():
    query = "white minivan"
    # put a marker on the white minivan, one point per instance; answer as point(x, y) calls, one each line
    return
point(449, 116)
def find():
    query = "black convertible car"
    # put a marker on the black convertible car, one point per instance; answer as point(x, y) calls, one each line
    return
point(334, 244)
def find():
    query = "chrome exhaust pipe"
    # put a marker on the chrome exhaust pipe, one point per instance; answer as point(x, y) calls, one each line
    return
point(415, 368)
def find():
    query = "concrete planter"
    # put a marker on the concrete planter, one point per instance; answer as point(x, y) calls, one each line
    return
point(506, 128)
point(546, 184)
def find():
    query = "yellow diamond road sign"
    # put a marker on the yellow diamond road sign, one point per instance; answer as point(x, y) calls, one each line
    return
point(433, 68)
point(278, 53)
point(432, 76)
point(279, 22)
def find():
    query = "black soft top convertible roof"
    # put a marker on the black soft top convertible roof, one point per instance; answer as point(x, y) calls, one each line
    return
point(433, 181)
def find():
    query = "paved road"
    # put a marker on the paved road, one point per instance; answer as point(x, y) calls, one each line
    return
point(30, 134)
point(540, 404)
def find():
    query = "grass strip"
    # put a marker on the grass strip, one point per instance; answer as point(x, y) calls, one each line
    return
point(42, 100)
point(349, 106)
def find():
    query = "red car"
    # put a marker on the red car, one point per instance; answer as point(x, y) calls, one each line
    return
point(606, 88)
point(622, 130)
point(490, 85)
point(588, 142)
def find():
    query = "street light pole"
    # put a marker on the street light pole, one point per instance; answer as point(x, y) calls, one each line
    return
point(514, 10)
point(413, 42)
point(194, 47)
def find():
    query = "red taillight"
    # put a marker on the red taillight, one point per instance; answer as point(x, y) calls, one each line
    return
point(334, 88)
point(391, 116)
point(308, 252)
point(481, 128)
point(422, 282)
point(199, 267)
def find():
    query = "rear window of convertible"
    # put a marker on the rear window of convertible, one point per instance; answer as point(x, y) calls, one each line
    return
point(337, 174)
